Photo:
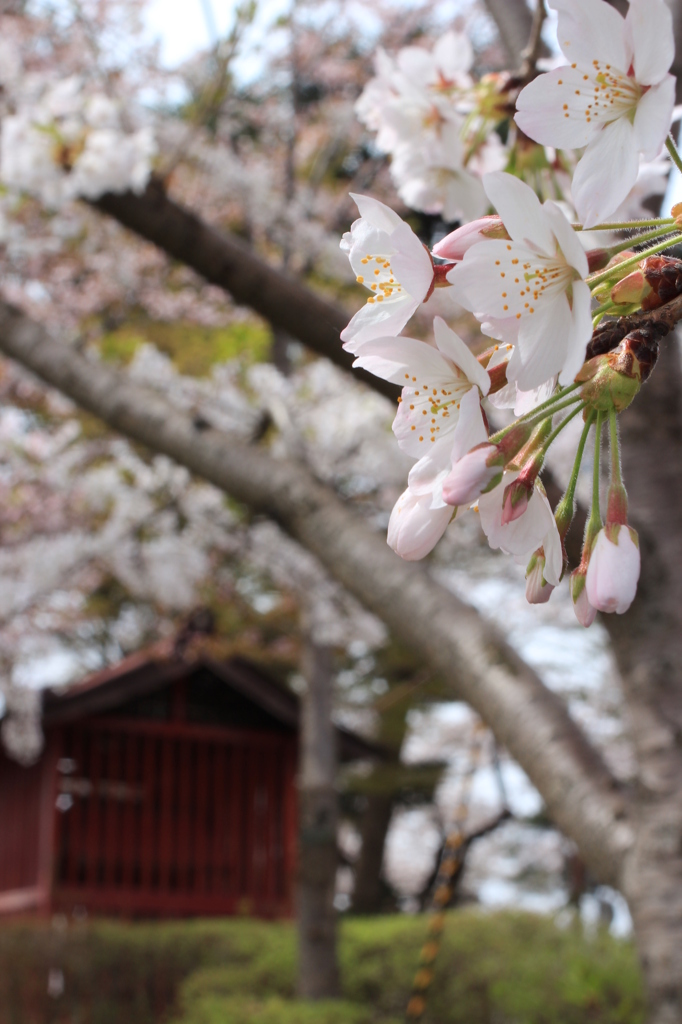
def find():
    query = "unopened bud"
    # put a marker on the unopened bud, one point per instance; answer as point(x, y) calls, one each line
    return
point(676, 212)
point(515, 500)
point(538, 590)
point(613, 571)
point(602, 292)
point(597, 259)
point(610, 381)
point(617, 506)
point(631, 290)
point(454, 245)
point(585, 613)
point(473, 475)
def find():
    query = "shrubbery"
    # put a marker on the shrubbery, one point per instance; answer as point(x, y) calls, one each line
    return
point(510, 968)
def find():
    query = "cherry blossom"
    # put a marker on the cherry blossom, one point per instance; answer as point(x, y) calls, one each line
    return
point(615, 97)
point(415, 93)
point(392, 263)
point(438, 420)
point(532, 286)
point(423, 107)
point(433, 177)
point(69, 143)
point(435, 380)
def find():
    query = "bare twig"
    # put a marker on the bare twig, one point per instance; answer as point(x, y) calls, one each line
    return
point(533, 49)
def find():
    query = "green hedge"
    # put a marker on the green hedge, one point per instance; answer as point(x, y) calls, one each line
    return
point(503, 968)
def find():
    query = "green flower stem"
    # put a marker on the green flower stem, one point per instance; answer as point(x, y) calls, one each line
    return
point(602, 310)
point(616, 474)
point(627, 224)
point(536, 415)
point(566, 508)
point(638, 239)
point(604, 275)
point(674, 155)
point(560, 426)
point(595, 512)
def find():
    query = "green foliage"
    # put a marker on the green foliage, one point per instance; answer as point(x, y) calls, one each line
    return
point(214, 1009)
point(193, 350)
point(506, 968)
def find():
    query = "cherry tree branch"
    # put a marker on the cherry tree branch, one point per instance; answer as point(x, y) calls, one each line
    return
point(451, 638)
point(226, 261)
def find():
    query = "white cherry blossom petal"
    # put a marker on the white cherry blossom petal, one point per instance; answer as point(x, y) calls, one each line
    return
point(606, 172)
point(580, 333)
point(566, 238)
point(520, 210)
point(542, 345)
point(653, 116)
point(452, 346)
point(649, 24)
point(377, 214)
point(591, 28)
point(470, 429)
point(427, 475)
point(520, 538)
point(453, 54)
point(552, 106)
point(400, 359)
point(411, 264)
point(376, 320)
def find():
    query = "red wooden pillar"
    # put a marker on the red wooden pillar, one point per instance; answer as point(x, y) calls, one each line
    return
point(290, 816)
point(47, 832)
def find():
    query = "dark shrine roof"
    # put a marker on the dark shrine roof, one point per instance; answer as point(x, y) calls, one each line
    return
point(135, 680)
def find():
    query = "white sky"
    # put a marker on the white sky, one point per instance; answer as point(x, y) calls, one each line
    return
point(182, 26)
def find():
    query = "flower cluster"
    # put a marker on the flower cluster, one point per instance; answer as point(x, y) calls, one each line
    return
point(539, 292)
point(428, 114)
point(69, 143)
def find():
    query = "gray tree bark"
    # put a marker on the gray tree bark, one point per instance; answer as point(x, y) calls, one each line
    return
point(647, 642)
point(318, 976)
point(514, 21)
point(369, 890)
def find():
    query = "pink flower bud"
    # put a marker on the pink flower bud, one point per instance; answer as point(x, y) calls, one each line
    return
point(585, 613)
point(631, 290)
point(454, 245)
point(613, 570)
point(515, 499)
point(471, 476)
point(538, 590)
point(597, 259)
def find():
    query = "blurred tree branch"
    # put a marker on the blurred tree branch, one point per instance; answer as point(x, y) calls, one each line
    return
point(449, 636)
point(224, 260)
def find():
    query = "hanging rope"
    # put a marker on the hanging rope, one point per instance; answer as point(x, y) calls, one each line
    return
point(451, 863)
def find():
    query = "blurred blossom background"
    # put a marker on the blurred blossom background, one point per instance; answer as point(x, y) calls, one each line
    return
point(248, 116)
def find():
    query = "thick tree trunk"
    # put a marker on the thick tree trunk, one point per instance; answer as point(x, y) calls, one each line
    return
point(370, 891)
point(318, 976)
point(647, 642)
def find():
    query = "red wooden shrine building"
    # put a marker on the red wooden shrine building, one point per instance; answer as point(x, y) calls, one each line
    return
point(164, 789)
